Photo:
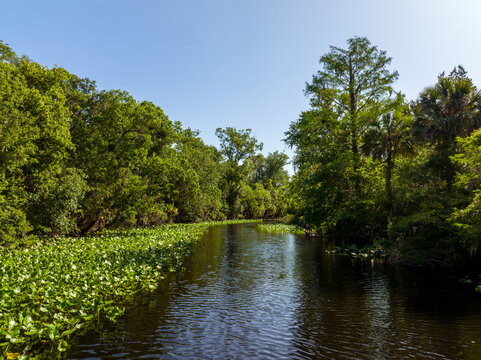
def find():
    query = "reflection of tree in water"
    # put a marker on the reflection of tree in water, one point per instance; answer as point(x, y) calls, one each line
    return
point(230, 256)
point(247, 294)
point(358, 308)
point(330, 317)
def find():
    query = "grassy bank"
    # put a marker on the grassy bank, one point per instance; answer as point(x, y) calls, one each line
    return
point(59, 286)
point(277, 228)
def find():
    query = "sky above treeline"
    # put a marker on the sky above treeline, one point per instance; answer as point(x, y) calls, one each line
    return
point(239, 63)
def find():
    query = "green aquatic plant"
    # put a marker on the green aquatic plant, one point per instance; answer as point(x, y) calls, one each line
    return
point(281, 228)
point(54, 289)
point(368, 251)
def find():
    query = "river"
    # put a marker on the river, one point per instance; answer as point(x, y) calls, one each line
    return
point(245, 294)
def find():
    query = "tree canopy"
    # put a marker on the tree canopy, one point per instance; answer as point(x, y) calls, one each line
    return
point(373, 169)
point(75, 159)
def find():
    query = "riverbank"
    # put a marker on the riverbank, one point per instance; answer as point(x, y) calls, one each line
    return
point(53, 290)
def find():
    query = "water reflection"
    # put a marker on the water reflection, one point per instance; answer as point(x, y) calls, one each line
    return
point(246, 294)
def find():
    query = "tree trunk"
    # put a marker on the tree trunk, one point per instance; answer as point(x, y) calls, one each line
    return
point(353, 125)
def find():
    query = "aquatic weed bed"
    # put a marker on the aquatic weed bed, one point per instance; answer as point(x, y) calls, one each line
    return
point(368, 251)
point(281, 228)
point(52, 290)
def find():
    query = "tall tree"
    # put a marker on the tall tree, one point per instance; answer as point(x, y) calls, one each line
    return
point(117, 140)
point(270, 170)
point(322, 183)
point(346, 96)
point(352, 83)
point(39, 191)
point(444, 111)
point(236, 146)
point(199, 199)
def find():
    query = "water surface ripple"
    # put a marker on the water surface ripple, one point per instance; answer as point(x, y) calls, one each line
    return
point(250, 295)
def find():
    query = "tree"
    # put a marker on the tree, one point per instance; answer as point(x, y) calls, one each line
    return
point(352, 83)
point(118, 142)
point(323, 180)
point(269, 181)
point(468, 219)
point(6, 53)
point(449, 109)
point(197, 179)
point(387, 138)
point(270, 170)
point(237, 146)
point(346, 96)
point(38, 188)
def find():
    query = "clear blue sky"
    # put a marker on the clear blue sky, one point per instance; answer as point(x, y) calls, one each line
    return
point(242, 63)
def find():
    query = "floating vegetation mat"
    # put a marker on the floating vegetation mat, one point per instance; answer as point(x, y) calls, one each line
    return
point(368, 251)
point(281, 228)
point(52, 290)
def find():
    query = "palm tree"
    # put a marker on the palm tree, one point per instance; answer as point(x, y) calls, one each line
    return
point(385, 140)
point(444, 111)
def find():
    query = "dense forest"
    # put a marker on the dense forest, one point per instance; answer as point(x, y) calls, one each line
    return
point(75, 159)
point(375, 169)
point(372, 168)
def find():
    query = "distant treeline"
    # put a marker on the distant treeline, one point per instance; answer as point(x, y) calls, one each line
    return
point(74, 159)
point(375, 169)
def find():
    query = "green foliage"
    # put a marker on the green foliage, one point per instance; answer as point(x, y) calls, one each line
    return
point(468, 160)
point(414, 186)
point(325, 184)
point(386, 139)
point(35, 145)
point(56, 209)
point(238, 147)
point(6, 53)
point(368, 251)
point(437, 224)
point(422, 231)
point(14, 227)
point(256, 202)
point(270, 170)
point(268, 195)
point(468, 221)
point(74, 159)
point(281, 228)
point(203, 161)
point(360, 223)
point(116, 141)
point(425, 237)
point(352, 84)
point(348, 97)
point(357, 135)
point(444, 111)
point(62, 285)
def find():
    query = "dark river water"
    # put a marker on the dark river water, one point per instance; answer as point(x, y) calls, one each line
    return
point(244, 294)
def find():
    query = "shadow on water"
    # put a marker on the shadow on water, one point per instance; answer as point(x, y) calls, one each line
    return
point(244, 294)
